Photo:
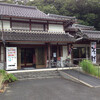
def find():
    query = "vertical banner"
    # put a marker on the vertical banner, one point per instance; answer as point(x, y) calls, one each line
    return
point(93, 52)
point(11, 58)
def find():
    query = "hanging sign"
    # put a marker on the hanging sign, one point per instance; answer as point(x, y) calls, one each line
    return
point(93, 52)
point(11, 58)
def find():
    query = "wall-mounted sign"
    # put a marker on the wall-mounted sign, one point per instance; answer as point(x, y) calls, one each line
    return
point(11, 58)
point(93, 52)
point(54, 54)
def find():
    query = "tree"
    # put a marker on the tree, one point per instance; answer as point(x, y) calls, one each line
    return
point(87, 11)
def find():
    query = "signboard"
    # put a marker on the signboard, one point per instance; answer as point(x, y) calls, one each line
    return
point(93, 52)
point(11, 58)
point(54, 54)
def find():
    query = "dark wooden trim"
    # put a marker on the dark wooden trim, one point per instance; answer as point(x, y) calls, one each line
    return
point(41, 41)
point(10, 22)
point(57, 50)
point(4, 52)
point(13, 20)
point(5, 19)
point(30, 25)
point(20, 21)
point(63, 27)
point(44, 27)
point(61, 51)
point(45, 55)
point(26, 45)
point(49, 53)
point(0, 53)
point(43, 19)
point(47, 26)
point(38, 22)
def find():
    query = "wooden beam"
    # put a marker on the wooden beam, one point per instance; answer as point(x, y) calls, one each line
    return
point(47, 26)
point(0, 52)
point(46, 55)
point(38, 41)
point(44, 27)
point(10, 22)
point(30, 25)
point(49, 58)
point(4, 55)
point(57, 50)
point(43, 19)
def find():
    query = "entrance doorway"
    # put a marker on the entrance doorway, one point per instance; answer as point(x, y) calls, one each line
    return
point(28, 58)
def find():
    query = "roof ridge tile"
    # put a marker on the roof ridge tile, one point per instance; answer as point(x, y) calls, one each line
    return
point(17, 5)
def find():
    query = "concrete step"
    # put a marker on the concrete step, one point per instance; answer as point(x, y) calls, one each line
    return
point(37, 75)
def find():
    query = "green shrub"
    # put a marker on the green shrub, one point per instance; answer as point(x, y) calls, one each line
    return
point(11, 78)
point(88, 67)
point(7, 77)
point(1, 80)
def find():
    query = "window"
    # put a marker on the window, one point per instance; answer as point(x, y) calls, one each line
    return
point(37, 27)
point(98, 50)
point(20, 26)
point(79, 52)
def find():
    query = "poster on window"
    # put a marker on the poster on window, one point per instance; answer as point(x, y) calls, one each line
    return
point(11, 58)
point(93, 52)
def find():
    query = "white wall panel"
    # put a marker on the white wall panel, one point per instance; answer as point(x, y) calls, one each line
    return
point(6, 24)
point(2, 54)
point(56, 28)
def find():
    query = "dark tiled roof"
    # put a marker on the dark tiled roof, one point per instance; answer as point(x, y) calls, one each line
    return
point(37, 36)
point(94, 35)
point(14, 10)
point(62, 17)
point(83, 27)
point(77, 27)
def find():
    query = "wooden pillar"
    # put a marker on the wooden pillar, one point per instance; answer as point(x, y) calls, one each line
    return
point(4, 57)
point(49, 58)
point(47, 26)
point(0, 53)
point(61, 51)
point(90, 51)
point(86, 52)
point(57, 50)
point(30, 24)
point(10, 22)
point(19, 58)
point(45, 55)
point(36, 54)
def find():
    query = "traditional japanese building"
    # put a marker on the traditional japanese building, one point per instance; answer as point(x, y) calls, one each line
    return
point(83, 48)
point(87, 44)
point(30, 38)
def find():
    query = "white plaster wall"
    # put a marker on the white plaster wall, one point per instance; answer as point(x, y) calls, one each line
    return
point(6, 25)
point(2, 58)
point(56, 28)
point(0, 25)
point(2, 54)
point(65, 53)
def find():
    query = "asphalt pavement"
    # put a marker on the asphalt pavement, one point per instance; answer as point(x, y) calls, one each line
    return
point(49, 89)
